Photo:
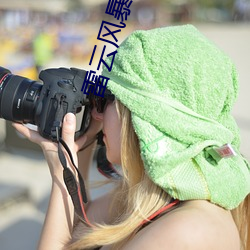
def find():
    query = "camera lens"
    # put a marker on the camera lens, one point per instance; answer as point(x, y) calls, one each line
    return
point(18, 97)
point(3, 73)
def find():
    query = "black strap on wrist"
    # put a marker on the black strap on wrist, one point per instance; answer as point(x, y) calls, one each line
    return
point(76, 188)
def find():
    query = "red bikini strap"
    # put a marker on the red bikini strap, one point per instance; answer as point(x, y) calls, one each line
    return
point(161, 210)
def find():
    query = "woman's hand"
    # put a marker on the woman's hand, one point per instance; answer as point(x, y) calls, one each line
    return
point(59, 220)
point(50, 148)
point(94, 127)
point(68, 131)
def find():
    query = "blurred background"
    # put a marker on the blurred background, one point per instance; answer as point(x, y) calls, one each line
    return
point(65, 31)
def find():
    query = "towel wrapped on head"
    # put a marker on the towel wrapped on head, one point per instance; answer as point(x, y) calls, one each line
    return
point(180, 89)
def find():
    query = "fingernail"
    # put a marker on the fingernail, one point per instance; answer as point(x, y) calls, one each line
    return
point(70, 118)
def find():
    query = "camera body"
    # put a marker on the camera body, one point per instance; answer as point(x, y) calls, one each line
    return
point(26, 101)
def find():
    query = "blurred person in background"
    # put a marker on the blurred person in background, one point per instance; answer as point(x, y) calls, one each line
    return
point(43, 48)
point(166, 119)
point(241, 10)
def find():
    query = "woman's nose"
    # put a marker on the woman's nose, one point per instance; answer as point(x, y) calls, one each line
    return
point(97, 116)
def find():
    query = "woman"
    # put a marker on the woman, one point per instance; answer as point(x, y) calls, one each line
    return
point(174, 91)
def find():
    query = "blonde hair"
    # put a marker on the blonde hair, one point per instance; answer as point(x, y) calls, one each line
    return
point(241, 216)
point(137, 197)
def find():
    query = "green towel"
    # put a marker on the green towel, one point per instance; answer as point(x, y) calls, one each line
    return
point(180, 89)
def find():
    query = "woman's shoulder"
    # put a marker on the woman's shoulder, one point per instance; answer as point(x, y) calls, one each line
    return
point(193, 225)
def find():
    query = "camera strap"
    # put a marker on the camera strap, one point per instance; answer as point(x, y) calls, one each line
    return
point(75, 188)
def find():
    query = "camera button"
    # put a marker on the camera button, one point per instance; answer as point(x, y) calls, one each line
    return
point(66, 84)
point(31, 95)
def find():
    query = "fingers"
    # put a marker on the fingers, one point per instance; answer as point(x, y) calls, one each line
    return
point(80, 142)
point(68, 129)
point(95, 124)
point(95, 127)
point(35, 137)
point(90, 135)
point(29, 134)
point(68, 133)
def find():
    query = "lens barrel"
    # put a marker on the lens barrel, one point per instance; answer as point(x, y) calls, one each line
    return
point(3, 72)
point(18, 97)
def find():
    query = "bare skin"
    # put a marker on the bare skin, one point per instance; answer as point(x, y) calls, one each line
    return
point(196, 224)
point(193, 225)
point(59, 221)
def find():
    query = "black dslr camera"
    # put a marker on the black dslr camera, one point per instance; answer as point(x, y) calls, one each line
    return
point(26, 101)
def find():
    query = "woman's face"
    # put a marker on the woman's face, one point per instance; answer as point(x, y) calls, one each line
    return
point(111, 131)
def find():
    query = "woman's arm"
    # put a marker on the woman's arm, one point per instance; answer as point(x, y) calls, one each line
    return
point(58, 225)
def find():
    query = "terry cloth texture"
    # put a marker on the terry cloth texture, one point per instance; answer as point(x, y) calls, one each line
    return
point(180, 89)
